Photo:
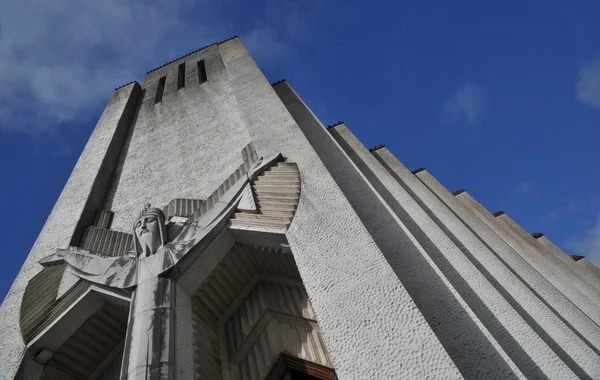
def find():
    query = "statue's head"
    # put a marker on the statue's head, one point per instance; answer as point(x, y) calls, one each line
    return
point(150, 231)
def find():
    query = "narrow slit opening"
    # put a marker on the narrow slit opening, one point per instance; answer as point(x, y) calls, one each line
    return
point(160, 90)
point(181, 76)
point(201, 72)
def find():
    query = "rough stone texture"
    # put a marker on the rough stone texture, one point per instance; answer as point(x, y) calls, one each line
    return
point(590, 277)
point(561, 276)
point(436, 230)
point(358, 299)
point(64, 218)
point(518, 240)
point(190, 142)
point(467, 209)
point(404, 253)
point(572, 335)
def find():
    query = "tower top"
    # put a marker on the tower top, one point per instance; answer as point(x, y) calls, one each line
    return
point(190, 53)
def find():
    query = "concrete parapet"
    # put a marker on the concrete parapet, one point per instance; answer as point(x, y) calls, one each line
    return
point(479, 268)
point(278, 82)
point(376, 147)
point(335, 124)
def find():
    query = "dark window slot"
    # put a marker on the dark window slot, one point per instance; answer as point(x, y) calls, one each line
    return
point(201, 72)
point(181, 76)
point(160, 90)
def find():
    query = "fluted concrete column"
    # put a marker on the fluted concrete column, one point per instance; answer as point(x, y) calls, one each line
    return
point(560, 275)
point(590, 271)
point(552, 311)
point(569, 345)
point(357, 297)
point(589, 282)
point(405, 194)
point(529, 253)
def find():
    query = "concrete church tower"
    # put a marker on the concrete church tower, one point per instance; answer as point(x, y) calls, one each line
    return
point(213, 228)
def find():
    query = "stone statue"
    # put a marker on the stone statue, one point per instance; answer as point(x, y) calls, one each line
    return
point(150, 233)
point(149, 346)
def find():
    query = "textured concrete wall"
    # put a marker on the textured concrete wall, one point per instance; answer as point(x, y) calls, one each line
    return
point(437, 231)
point(556, 304)
point(552, 317)
point(80, 191)
point(412, 263)
point(358, 299)
point(182, 147)
point(589, 271)
point(589, 285)
point(519, 240)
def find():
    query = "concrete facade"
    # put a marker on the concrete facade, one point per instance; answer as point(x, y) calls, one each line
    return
point(288, 242)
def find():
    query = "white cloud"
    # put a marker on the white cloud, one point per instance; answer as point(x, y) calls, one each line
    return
point(468, 103)
point(588, 84)
point(560, 211)
point(524, 188)
point(588, 245)
point(61, 58)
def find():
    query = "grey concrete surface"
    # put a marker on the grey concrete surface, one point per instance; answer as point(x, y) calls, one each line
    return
point(418, 272)
point(590, 271)
point(588, 283)
point(586, 329)
point(571, 334)
point(553, 270)
point(407, 196)
point(190, 142)
point(358, 299)
point(510, 234)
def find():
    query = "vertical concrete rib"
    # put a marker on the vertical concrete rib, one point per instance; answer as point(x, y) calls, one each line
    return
point(73, 209)
point(590, 271)
point(405, 195)
point(589, 285)
point(555, 272)
point(552, 311)
point(587, 329)
point(481, 357)
point(358, 299)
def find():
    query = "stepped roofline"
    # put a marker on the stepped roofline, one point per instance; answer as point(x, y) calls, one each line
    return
point(377, 147)
point(278, 82)
point(195, 51)
point(335, 124)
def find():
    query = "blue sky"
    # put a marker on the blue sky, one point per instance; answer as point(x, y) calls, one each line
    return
point(501, 99)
